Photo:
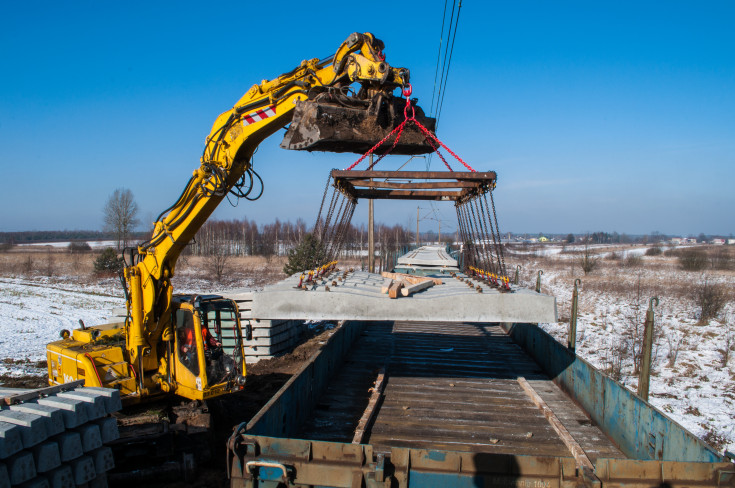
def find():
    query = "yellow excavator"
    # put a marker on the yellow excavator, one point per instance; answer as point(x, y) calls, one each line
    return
point(192, 345)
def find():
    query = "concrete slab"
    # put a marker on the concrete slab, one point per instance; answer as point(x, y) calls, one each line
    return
point(4, 477)
point(61, 477)
point(10, 439)
point(33, 427)
point(96, 403)
point(112, 397)
point(103, 459)
point(70, 445)
point(21, 467)
point(359, 297)
point(83, 469)
point(46, 456)
point(108, 429)
point(91, 437)
point(39, 482)
point(435, 256)
point(54, 418)
point(74, 411)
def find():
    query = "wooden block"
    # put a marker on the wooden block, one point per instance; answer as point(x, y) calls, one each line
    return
point(386, 285)
point(369, 413)
point(413, 279)
point(409, 290)
point(579, 455)
point(395, 289)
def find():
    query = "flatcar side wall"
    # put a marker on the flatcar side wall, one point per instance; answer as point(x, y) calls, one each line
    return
point(639, 430)
point(295, 401)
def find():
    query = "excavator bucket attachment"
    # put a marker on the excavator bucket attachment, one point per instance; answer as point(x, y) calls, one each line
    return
point(331, 126)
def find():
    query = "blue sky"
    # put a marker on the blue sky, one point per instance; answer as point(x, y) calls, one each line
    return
point(615, 116)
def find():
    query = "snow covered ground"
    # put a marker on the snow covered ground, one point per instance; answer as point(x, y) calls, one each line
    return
point(33, 312)
point(65, 244)
point(690, 381)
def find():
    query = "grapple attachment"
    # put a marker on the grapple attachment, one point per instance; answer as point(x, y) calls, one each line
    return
point(355, 126)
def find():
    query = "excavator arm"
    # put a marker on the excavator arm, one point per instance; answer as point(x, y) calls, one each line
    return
point(314, 89)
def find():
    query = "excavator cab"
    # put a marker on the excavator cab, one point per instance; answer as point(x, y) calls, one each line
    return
point(209, 356)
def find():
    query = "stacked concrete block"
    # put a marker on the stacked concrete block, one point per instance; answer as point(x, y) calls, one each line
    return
point(270, 337)
point(56, 439)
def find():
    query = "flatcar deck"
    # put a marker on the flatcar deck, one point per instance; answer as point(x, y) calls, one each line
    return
point(449, 386)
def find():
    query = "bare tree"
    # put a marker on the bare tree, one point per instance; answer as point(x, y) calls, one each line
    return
point(216, 262)
point(728, 345)
point(588, 260)
point(121, 216)
point(675, 340)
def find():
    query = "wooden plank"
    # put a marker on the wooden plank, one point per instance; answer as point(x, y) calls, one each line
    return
point(566, 437)
point(413, 279)
point(418, 185)
point(409, 290)
point(386, 285)
point(407, 194)
point(370, 410)
point(416, 175)
point(395, 289)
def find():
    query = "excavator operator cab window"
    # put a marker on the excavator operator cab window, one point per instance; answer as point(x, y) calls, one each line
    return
point(221, 339)
point(186, 346)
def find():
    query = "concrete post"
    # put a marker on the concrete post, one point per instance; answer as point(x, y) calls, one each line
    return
point(645, 374)
point(518, 274)
point(371, 231)
point(417, 227)
point(572, 340)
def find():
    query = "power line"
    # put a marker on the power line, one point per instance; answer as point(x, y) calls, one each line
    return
point(442, 80)
point(449, 63)
point(438, 56)
point(437, 96)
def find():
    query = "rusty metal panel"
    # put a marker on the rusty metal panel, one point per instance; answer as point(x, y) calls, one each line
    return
point(294, 402)
point(631, 473)
point(641, 431)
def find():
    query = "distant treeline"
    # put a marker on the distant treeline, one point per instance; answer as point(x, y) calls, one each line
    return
point(31, 236)
point(246, 238)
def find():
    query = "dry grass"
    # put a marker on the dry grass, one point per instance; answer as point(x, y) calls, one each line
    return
point(46, 263)
point(240, 270)
point(659, 275)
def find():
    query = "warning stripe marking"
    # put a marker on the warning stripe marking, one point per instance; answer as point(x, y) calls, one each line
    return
point(258, 115)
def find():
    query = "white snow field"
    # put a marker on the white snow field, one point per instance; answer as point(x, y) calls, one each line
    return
point(33, 312)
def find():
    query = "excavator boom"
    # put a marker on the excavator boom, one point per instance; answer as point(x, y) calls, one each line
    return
point(343, 103)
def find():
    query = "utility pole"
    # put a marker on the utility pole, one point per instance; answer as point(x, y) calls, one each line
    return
point(417, 227)
point(371, 230)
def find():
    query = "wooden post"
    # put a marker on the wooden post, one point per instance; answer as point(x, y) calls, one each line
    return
point(572, 340)
point(371, 231)
point(645, 375)
point(538, 281)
